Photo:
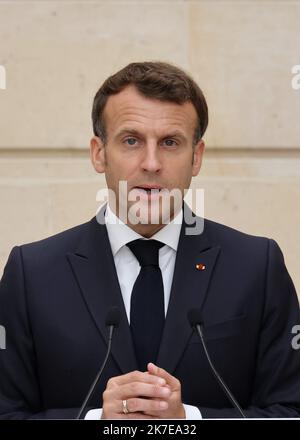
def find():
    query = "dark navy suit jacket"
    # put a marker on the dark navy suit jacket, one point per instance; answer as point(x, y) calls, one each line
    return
point(55, 294)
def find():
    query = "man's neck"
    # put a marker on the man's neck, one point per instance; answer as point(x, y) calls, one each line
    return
point(146, 230)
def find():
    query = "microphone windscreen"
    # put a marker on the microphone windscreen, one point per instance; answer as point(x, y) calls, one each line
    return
point(113, 317)
point(195, 317)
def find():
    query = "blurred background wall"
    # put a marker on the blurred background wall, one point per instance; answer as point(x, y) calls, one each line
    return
point(57, 53)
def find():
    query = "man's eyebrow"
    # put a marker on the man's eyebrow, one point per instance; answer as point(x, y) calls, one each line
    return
point(175, 133)
point(125, 130)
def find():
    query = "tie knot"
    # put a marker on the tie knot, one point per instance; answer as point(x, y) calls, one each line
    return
point(146, 251)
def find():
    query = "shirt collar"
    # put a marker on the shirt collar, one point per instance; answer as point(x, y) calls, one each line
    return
point(120, 234)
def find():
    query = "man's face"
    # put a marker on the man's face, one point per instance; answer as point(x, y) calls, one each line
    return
point(149, 145)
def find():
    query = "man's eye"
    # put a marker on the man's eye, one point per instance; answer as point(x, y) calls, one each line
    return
point(131, 141)
point(170, 142)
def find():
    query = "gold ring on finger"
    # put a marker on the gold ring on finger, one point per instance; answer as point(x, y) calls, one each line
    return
point(125, 408)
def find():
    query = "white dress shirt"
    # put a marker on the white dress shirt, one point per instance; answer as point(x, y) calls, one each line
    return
point(128, 268)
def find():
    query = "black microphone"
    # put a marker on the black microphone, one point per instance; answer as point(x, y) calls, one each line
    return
point(112, 320)
point(195, 320)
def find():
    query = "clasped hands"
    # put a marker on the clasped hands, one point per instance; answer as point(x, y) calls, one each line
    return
point(154, 394)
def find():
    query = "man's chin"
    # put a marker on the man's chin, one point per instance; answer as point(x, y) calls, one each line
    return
point(155, 208)
point(151, 213)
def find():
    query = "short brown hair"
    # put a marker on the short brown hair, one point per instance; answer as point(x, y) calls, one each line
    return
point(156, 80)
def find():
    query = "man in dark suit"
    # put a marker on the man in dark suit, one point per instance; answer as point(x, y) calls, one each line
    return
point(149, 120)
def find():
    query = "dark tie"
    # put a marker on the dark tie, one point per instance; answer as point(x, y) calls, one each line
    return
point(147, 313)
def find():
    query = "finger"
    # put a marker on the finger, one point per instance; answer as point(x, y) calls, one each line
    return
point(146, 405)
point(157, 371)
point(141, 389)
point(136, 376)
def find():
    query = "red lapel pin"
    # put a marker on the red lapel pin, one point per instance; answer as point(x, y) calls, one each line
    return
point(200, 266)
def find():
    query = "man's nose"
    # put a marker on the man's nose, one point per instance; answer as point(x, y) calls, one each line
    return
point(151, 160)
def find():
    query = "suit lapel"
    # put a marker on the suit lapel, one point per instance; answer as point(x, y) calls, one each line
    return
point(94, 268)
point(189, 289)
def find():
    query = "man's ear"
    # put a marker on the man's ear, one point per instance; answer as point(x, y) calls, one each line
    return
point(197, 157)
point(97, 154)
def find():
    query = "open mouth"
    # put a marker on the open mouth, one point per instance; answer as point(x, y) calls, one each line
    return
point(149, 190)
